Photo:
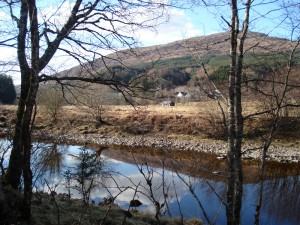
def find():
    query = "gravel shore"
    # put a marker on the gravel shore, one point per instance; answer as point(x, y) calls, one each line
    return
point(250, 151)
point(81, 132)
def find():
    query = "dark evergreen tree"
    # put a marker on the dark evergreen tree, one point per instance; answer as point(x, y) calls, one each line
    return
point(174, 77)
point(7, 90)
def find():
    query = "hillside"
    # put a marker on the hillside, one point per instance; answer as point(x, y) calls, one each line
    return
point(205, 47)
point(176, 67)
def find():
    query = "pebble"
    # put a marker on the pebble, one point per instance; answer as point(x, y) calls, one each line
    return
point(251, 152)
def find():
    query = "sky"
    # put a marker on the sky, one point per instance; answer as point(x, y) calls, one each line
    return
point(182, 24)
point(197, 21)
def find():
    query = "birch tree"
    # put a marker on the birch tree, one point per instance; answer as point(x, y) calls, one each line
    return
point(238, 29)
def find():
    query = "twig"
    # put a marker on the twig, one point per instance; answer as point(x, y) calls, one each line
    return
point(56, 205)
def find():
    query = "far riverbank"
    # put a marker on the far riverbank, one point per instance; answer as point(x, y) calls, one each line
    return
point(283, 154)
point(185, 128)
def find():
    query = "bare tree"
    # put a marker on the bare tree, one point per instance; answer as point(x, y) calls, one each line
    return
point(51, 100)
point(96, 102)
point(280, 101)
point(238, 27)
point(38, 34)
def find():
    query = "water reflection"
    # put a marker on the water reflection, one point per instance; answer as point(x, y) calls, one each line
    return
point(282, 199)
point(47, 159)
point(177, 194)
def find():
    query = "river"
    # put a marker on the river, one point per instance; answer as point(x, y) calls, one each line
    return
point(182, 188)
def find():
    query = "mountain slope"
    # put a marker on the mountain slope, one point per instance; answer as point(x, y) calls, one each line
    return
point(197, 47)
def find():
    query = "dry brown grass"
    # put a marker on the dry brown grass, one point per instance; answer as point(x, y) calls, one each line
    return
point(196, 120)
point(45, 212)
point(190, 119)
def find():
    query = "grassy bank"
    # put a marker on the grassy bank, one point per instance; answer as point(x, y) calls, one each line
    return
point(193, 121)
point(58, 210)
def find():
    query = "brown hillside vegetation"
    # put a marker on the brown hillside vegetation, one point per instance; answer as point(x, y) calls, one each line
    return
point(214, 44)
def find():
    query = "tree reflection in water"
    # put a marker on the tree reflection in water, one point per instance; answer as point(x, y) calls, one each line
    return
point(47, 161)
point(282, 199)
point(205, 186)
point(173, 193)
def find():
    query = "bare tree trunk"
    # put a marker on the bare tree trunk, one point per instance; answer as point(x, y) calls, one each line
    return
point(14, 171)
point(27, 143)
point(236, 121)
point(21, 153)
point(231, 154)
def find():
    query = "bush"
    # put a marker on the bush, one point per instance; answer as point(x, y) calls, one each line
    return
point(52, 101)
point(87, 172)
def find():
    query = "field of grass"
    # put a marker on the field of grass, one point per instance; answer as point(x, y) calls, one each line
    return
point(192, 120)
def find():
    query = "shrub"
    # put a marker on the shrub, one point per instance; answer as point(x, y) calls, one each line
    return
point(86, 173)
point(52, 101)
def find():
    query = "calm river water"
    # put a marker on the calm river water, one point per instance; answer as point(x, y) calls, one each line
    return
point(181, 195)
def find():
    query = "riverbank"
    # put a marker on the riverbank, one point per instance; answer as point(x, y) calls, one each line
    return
point(48, 209)
point(182, 128)
point(284, 154)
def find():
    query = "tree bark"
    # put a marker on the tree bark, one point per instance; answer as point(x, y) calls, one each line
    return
point(236, 121)
point(14, 171)
point(231, 154)
point(21, 153)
